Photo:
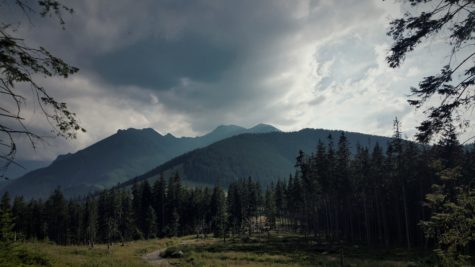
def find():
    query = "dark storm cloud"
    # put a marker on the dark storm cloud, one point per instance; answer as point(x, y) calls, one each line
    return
point(161, 64)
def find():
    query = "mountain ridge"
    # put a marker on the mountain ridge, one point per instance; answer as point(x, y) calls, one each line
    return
point(266, 156)
point(112, 160)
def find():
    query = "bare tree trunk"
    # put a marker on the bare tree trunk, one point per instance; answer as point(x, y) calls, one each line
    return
point(366, 219)
point(379, 219)
point(352, 232)
point(406, 219)
point(385, 226)
point(328, 217)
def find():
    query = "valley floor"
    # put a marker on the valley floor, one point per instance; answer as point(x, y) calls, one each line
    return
point(278, 250)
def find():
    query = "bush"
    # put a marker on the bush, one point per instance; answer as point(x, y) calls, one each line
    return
point(13, 256)
point(171, 252)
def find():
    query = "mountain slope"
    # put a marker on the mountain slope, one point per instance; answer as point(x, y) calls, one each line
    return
point(265, 157)
point(24, 166)
point(19, 169)
point(113, 160)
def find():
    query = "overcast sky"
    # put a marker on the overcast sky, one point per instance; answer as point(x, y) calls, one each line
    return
point(185, 67)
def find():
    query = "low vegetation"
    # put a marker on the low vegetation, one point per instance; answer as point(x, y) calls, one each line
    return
point(281, 249)
point(49, 254)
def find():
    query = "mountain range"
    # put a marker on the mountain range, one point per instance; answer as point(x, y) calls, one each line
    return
point(265, 157)
point(227, 153)
point(115, 159)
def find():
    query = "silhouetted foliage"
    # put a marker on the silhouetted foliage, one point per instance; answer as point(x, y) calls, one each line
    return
point(455, 82)
point(19, 64)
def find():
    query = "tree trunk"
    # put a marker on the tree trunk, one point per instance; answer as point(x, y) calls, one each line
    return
point(406, 219)
point(379, 219)
point(385, 225)
point(366, 219)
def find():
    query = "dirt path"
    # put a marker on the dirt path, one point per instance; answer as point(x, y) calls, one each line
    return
point(154, 259)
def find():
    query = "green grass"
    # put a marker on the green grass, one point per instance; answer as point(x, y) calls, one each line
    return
point(48, 254)
point(279, 250)
point(288, 250)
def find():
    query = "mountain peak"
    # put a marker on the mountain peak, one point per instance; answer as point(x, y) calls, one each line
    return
point(134, 130)
point(221, 132)
point(169, 135)
point(231, 129)
point(263, 128)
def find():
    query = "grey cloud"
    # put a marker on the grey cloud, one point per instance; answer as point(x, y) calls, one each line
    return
point(161, 64)
point(317, 100)
point(351, 57)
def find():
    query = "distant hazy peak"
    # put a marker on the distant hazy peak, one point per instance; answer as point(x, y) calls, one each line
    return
point(227, 127)
point(231, 129)
point(134, 130)
point(262, 127)
point(169, 135)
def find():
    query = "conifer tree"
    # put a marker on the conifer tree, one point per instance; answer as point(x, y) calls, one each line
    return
point(6, 220)
point(6, 227)
point(174, 198)
point(159, 204)
point(73, 222)
point(103, 214)
point(252, 204)
point(137, 206)
point(127, 228)
point(19, 217)
point(270, 209)
point(397, 174)
point(218, 213)
point(146, 199)
point(56, 217)
point(90, 221)
point(280, 199)
point(150, 220)
point(361, 168)
point(235, 208)
point(378, 179)
point(343, 188)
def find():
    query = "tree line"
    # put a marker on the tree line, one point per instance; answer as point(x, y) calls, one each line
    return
point(391, 197)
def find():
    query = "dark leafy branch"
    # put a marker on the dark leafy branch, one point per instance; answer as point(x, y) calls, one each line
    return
point(455, 83)
point(20, 64)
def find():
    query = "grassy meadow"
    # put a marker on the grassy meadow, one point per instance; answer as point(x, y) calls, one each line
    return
point(49, 254)
point(290, 250)
point(278, 250)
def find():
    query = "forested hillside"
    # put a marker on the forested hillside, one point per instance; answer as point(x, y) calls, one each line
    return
point(114, 160)
point(264, 157)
